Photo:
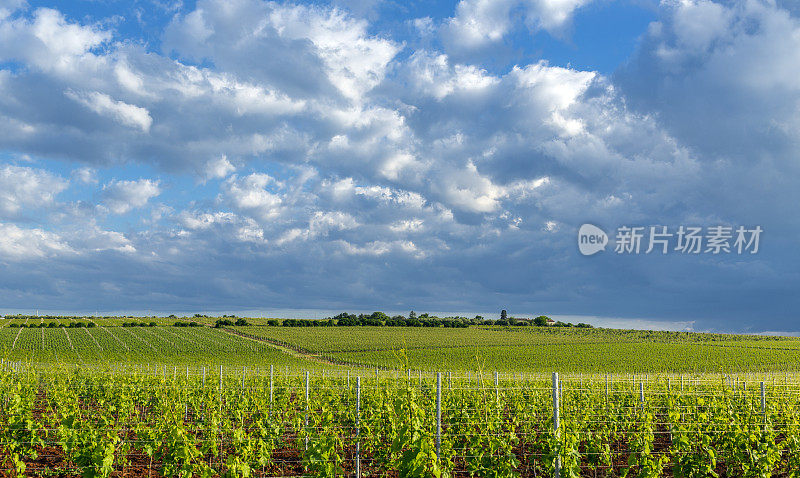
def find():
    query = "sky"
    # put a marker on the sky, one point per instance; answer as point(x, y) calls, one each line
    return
point(242, 155)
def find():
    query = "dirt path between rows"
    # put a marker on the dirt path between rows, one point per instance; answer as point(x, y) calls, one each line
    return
point(299, 352)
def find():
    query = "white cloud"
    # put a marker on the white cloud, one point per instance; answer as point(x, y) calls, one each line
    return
point(123, 196)
point(207, 220)
point(19, 244)
point(698, 23)
point(552, 15)
point(434, 75)
point(376, 248)
point(467, 189)
point(249, 193)
point(408, 225)
point(7, 7)
point(235, 35)
point(91, 238)
point(48, 40)
point(124, 113)
point(218, 168)
point(250, 231)
point(552, 88)
point(355, 63)
point(23, 188)
point(129, 79)
point(85, 175)
point(478, 23)
point(320, 224)
point(323, 222)
point(246, 98)
point(722, 76)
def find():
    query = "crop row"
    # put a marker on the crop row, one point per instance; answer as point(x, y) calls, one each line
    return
point(136, 424)
point(136, 345)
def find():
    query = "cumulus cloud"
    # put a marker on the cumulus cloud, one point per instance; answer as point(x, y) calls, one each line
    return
point(91, 238)
point(85, 175)
point(729, 94)
point(251, 193)
point(7, 7)
point(102, 104)
point(378, 172)
point(722, 75)
point(122, 196)
point(196, 220)
point(17, 243)
point(23, 189)
point(478, 23)
point(313, 49)
point(48, 41)
point(218, 168)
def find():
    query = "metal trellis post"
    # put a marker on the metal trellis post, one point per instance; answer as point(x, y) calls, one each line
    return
point(557, 463)
point(438, 415)
point(358, 427)
point(306, 420)
point(271, 370)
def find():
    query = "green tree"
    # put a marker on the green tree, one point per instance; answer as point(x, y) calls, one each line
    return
point(541, 321)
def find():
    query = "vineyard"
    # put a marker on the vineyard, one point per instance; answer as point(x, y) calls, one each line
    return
point(122, 345)
point(506, 349)
point(104, 397)
point(165, 421)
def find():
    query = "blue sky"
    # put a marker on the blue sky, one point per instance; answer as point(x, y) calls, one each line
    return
point(222, 156)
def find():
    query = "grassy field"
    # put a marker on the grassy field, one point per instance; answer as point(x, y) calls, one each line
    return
point(506, 349)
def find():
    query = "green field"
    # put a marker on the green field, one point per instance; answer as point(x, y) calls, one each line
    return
point(115, 345)
point(530, 349)
point(505, 349)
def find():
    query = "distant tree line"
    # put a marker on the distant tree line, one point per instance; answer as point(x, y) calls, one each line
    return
point(52, 325)
point(228, 322)
point(348, 320)
point(54, 317)
point(381, 319)
point(345, 319)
